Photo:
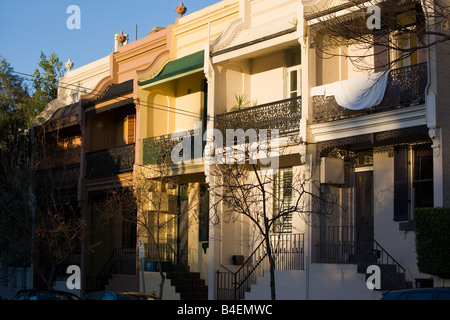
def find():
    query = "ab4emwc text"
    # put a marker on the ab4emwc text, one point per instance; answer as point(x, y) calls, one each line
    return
point(226, 309)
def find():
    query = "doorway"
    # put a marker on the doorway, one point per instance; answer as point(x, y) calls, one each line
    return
point(183, 225)
point(364, 212)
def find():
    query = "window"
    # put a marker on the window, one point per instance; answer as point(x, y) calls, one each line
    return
point(413, 180)
point(423, 177)
point(405, 39)
point(283, 200)
point(293, 74)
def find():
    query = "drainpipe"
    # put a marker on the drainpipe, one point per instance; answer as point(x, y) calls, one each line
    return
point(431, 118)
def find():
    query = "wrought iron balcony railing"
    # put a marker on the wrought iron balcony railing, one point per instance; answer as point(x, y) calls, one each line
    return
point(110, 162)
point(57, 184)
point(283, 115)
point(159, 149)
point(405, 87)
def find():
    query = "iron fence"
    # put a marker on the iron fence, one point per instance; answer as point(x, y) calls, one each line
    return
point(288, 253)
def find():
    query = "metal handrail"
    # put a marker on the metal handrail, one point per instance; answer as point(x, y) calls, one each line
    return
point(240, 281)
point(117, 258)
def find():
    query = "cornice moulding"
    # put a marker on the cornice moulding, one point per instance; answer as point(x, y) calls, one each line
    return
point(383, 121)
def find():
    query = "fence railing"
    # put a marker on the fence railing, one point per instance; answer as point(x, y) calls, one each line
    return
point(356, 245)
point(288, 253)
point(121, 261)
point(165, 252)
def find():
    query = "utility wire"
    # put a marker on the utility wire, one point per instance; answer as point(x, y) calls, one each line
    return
point(143, 103)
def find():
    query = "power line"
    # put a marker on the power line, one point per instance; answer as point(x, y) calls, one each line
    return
point(144, 103)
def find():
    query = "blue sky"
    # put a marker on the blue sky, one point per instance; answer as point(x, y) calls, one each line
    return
point(28, 27)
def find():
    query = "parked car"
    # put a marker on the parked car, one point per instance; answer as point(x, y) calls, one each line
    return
point(32, 294)
point(418, 294)
point(113, 295)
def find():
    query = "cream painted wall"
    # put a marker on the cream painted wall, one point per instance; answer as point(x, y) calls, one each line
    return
point(265, 11)
point(267, 78)
point(158, 102)
point(332, 66)
point(231, 82)
point(172, 105)
point(192, 31)
point(189, 99)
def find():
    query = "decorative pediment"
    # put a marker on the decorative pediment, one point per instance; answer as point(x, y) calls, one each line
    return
point(156, 67)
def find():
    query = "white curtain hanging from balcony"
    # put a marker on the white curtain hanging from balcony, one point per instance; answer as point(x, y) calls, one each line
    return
point(356, 94)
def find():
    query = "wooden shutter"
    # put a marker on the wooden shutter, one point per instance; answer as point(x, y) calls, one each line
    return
point(401, 190)
point(131, 120)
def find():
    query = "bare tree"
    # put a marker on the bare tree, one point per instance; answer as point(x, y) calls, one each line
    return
point(383, 33)
point(268, 199)
point(151, 204)
point(44, 225)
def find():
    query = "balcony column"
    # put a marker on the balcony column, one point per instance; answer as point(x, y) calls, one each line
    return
point(137, 130)
point(435, 127)
point(304, 52)
point(214, 250)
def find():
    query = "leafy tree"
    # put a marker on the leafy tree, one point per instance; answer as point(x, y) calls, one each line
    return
point(14, 157)
point(45, 83)
point(30, 230)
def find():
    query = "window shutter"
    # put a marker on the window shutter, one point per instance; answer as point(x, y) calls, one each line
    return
point(401, 196)
point(131, 120)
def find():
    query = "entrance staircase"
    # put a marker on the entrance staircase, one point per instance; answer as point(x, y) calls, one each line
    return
point(120, 274)
point(188, 284)
point(392, 273)
point(340, 246)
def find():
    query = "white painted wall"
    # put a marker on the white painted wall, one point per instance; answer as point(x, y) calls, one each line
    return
point(338, 281)
point(324, 282)
point(152, 281)
point(290, 285)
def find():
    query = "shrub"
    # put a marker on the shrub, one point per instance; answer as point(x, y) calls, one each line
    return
point(433, 241)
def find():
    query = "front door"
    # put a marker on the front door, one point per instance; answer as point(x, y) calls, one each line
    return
point(183, 226)
point(364, 220)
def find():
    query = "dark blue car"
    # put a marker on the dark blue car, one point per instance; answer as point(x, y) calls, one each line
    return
point(418, 294)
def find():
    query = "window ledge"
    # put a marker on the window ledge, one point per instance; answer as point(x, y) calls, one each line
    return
point(407, 226)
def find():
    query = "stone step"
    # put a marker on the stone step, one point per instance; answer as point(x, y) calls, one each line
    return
point(122, 282)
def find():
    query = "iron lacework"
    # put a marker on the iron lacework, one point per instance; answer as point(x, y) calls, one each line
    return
point(283, 115)
point(110, 162)
point(405, 88)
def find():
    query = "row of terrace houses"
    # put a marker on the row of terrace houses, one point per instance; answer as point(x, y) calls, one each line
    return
point(348, 170)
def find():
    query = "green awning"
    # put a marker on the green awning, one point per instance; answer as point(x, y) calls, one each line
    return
point(177, 68)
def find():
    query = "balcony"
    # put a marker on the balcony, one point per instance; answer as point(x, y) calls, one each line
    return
point(283, 115)
point(158, 150)
point(58, 184)
point(405, 88)
point(110, 162)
